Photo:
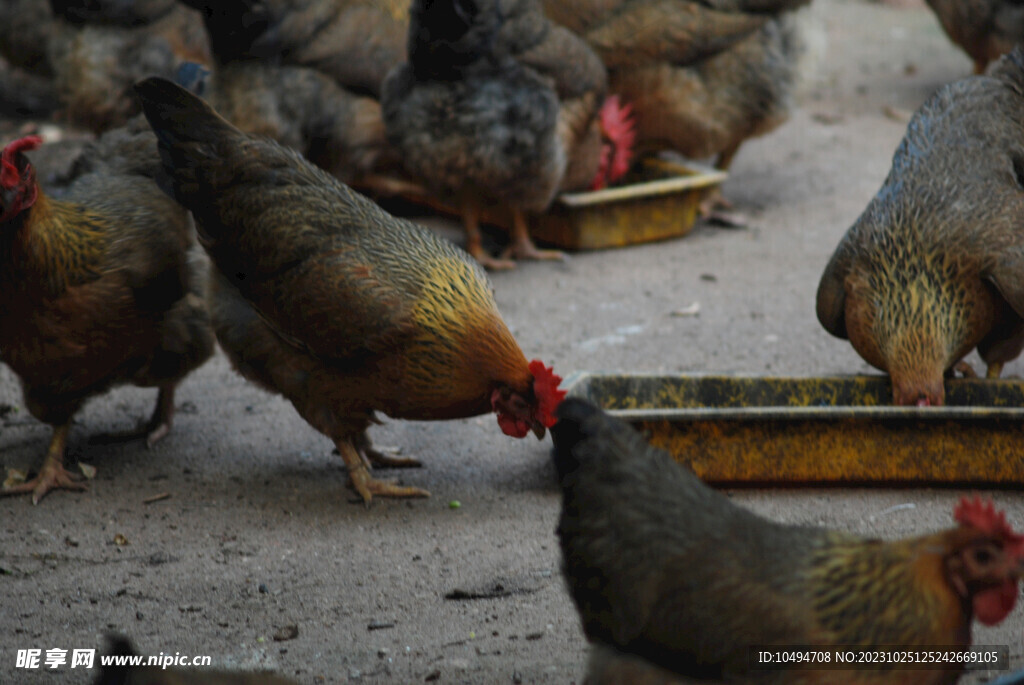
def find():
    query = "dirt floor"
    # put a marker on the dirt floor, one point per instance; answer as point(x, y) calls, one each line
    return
point(260, 531)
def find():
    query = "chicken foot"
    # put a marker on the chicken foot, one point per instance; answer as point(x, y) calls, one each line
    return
point(522, 246)
point(163, 415)
point(52, 474)
point(714, 206)
point(155, 430)
point(366, 485)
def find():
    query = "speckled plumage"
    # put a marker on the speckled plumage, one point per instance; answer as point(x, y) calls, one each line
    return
point(671, 573)
point(495, 105)
point(324, 297)
point(933, 267)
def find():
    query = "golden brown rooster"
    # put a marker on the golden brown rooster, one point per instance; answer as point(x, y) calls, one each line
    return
point(932, 268)
point(675, 582)
point(497, 104)
point(325, 298)
point(98, 288)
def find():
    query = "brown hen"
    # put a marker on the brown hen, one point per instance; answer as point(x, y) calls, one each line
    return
point(933, 267)
point(101, 287)
point(701, 77)
point(984, 29)
point(674, 583)
point(325, 298)
point(255, 86)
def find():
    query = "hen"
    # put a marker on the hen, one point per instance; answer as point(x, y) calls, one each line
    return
point(933, 267)
point(354, 42)
point(101, 287)
point(90, 52)
point(701, 77)
point(670, 577)
point(325, 298)
point(255, 88)
point(498, 104)
point(984, 29)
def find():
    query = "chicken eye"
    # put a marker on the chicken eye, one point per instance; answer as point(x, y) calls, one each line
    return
point(983, 556)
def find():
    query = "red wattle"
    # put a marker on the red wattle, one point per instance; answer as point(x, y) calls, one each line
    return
point(510, 425)
point(992, 606)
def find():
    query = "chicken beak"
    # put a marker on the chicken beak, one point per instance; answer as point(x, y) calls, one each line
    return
point(539, 430)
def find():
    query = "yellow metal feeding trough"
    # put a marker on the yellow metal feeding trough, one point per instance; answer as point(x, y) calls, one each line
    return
point(839, 430)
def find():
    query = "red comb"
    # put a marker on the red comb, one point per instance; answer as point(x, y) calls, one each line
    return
point(545, 387)
point(9, 174)
point(619, 127)
point(984, 516)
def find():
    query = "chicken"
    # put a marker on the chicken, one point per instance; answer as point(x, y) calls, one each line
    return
point(932, 268)
point(90, 60)
point(669, 576)
point(300, 107)
point(26, 27)
point(354, 42)
point(99, 288)
point(160, 674)
point(124, 13)
point(984, 29)
point(95, 63)
point(496, 104)
point(701, 77)
point(325, 298)
point(24, 94)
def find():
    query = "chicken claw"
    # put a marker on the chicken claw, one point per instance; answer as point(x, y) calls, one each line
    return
point(366, 485)
point(522, 246)
point(52, 475)
point(527, 250)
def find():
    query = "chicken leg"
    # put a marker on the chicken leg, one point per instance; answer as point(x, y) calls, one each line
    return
point(375, 457)
point(366, 485)
point(163, 415)
point(714, 206)
point(522, 246)
point(474, 241)
point(52, 474)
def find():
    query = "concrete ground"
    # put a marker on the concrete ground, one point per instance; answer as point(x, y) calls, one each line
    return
point(260, 532)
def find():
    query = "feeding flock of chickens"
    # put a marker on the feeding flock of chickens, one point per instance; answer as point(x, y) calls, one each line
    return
point(234, 224)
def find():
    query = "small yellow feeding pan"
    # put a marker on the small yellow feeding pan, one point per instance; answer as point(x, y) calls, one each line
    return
point(840, 430)
point(659, 199)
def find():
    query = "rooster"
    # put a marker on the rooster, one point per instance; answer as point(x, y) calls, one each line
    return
point(497, 104)
point(323, 297)
point(932, 267)
point(670, 577)
point(98, 288)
